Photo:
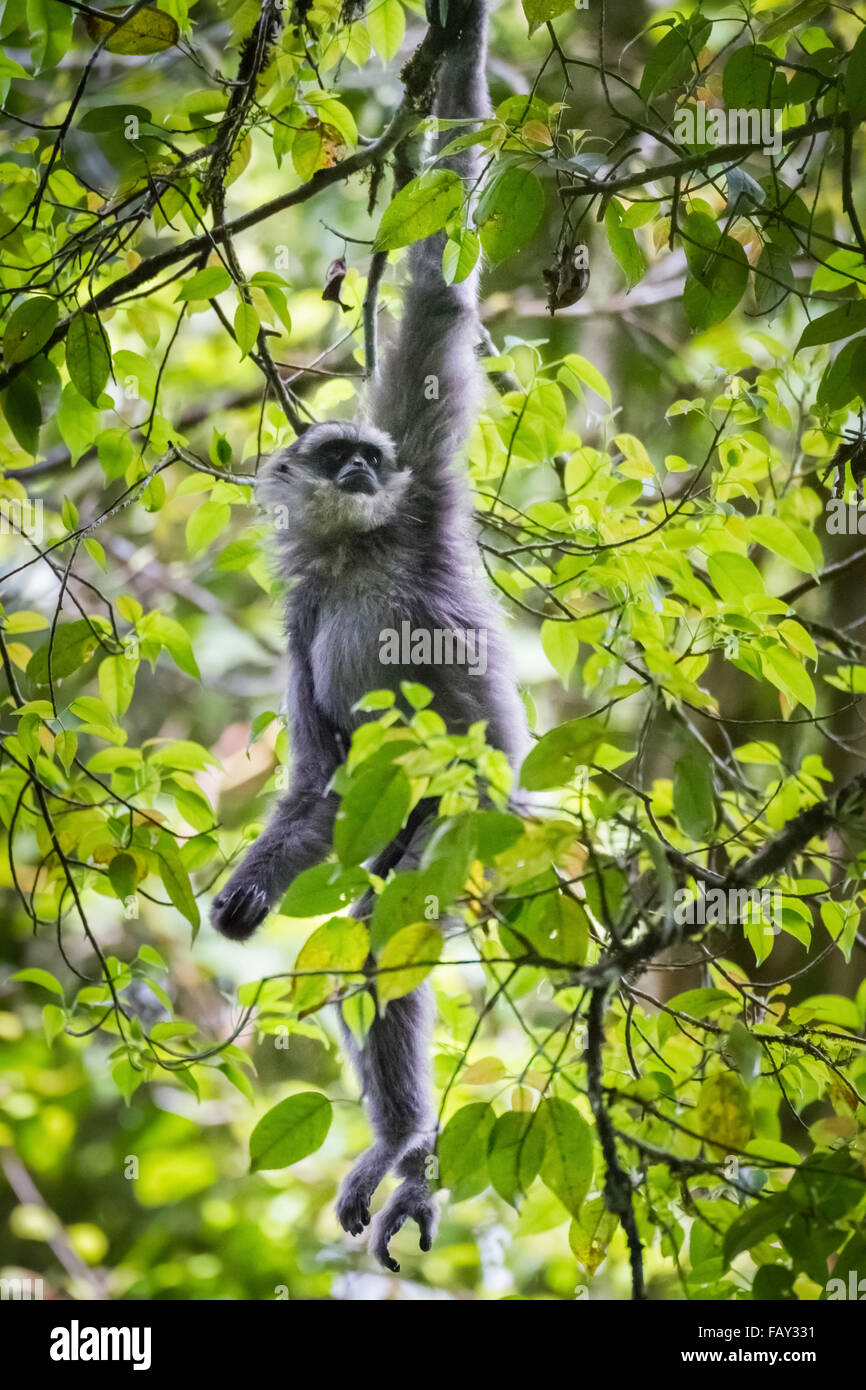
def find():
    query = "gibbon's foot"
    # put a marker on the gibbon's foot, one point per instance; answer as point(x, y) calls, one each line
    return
point(353, 1203)
point(411, 1200)
point(238, 910)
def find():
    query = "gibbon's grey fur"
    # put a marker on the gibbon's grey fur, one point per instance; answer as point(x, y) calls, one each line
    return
point(376, 531)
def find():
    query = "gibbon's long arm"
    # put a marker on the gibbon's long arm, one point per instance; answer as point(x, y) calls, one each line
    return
point(425, 393)
point(301, 828)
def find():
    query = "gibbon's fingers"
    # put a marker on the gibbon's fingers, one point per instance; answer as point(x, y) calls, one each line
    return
point(238, 910)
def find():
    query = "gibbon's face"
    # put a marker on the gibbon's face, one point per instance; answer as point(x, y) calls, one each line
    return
point(353, 458)
point(339, 476)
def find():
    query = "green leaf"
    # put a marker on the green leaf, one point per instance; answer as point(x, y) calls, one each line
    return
point(734, 576)
point(176, 879)
point(28, 328)
point(723, 1115)
point(53, 1022)
point(694, 796)
point(462, 1150)
point(126, 1077)
point(749, 79)
point(238, 1079)
point(341, 944)
point(290, 1131)
point(386, 25)
point(169, 633)
point(540, 12)
point(34, 976)
point(323, 888)
point(829, 1008)
point(831, 328)
point(23, 412)
point(855, 78)
point(50, 25)
point(74, 644)
point(766, 1218)
point(402, 903)
point(591, 1232)
point(719, 272)
point(206, 523)
point(117, 682)
point(672, 60)
point(406, 959)
point(775, 534)
point(246, 327)
point(460, 255)
point(558, 928)
point(578, 366)
point(372, 811)
point(66, 746)
point(623, 244)
point(420, 208)
point(78, 422)
point(205, 284)
point(567, 1165)
point(800, 13)
point(557, 755)
point(786, 673)
point(515, 1152)
point(148, 31)
point(774, 278)
point(10, 69)
point(87, 357)
point(508, 211)
point(844, 378)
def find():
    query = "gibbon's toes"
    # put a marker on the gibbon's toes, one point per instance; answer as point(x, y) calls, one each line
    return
point(238, 910)
point(353, 1207)
point(409, 1201)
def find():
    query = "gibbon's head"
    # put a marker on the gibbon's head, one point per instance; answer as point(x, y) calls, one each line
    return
point(338, 477)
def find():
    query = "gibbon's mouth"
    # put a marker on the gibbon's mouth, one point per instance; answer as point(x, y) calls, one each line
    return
point(357, 477)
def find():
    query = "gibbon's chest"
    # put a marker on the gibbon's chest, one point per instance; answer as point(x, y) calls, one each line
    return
point(345, 653)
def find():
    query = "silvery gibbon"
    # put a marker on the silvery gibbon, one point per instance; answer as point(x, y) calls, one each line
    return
point(379, 532)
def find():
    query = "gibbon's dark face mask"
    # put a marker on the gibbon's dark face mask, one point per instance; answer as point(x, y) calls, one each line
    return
point(355, 460)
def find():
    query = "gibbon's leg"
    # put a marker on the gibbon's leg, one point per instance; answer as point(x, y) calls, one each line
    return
point(393, 1066)
point(412, 1200)
point(394, 1070)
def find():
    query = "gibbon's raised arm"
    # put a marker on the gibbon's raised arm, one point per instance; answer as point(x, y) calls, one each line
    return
point(425, 391)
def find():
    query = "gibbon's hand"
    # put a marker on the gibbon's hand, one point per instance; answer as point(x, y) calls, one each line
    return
point(239, 908)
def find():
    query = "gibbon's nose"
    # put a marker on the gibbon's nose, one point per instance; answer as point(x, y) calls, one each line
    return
point(357, 476)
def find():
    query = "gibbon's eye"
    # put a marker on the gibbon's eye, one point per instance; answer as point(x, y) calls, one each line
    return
point(373, 457)
point(334, 451)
